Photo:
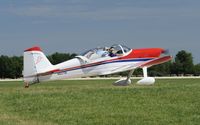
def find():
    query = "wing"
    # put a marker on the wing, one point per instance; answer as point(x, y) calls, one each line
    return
point(155, 61)
point(150, 63)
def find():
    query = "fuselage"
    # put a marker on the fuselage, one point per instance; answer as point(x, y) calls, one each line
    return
point(81, 67)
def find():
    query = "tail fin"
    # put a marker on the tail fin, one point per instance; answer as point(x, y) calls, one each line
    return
point(35, 62)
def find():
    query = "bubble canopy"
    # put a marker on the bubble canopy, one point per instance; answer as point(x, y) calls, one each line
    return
point(100, 52)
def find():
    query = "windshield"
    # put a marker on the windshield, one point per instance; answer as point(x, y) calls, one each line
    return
point(115, 50)
point(93, 53)
point(126, 49)
point(120, 49)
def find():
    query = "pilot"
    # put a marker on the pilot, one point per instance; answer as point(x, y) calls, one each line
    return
point(111, 52)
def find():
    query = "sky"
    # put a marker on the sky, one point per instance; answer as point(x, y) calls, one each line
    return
point(77, 25)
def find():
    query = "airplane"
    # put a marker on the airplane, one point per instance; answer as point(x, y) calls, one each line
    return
point(94, 62)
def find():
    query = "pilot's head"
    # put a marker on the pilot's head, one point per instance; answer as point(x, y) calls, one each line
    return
point(111, 49)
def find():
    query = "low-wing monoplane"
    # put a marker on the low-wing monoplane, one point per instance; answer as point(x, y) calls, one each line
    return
point(94, 62)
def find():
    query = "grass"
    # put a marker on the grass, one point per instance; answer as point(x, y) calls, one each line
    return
point(98, 102)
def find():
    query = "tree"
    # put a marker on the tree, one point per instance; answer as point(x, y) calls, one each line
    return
point(197, 69)
point(160, 70)
point(11, 67)
point(60, 57)
point(183, 63)
point(17, 66)
point(6, 67)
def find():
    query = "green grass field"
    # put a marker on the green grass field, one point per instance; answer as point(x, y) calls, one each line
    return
point(98, 102)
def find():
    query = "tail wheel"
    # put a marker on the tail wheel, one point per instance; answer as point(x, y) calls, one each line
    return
point(26, 85)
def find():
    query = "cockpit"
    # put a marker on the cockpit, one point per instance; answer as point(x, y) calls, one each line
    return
point(101, 52)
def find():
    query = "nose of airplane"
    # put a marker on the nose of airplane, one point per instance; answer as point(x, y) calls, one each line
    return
point(148, 53)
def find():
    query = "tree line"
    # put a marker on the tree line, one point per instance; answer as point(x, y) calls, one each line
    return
point(12, 67)
point(181, 65)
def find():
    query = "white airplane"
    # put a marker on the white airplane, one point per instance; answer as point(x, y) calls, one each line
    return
point(98, 61)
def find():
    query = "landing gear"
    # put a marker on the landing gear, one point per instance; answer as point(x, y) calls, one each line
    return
point(124, 81)
point(146, 80)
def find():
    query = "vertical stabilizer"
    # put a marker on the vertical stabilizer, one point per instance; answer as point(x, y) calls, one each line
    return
point(35, 62)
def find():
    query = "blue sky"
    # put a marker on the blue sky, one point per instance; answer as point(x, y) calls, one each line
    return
point(78, 25)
